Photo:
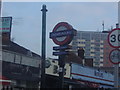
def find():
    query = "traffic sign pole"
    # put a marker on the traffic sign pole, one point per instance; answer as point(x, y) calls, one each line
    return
point(114, 41)
point(116, 76)
point(61, 73)
point(62, 35)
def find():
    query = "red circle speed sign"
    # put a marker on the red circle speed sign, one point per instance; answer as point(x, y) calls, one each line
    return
point(114, 56)
point(114, 38)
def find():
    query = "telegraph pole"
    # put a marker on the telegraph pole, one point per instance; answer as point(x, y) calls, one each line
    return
point(44, 10)
point(113, 40)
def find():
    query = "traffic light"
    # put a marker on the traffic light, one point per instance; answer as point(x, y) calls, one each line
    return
point(81, 53)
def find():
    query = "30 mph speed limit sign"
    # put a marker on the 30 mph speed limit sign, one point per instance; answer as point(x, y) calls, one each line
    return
point(114, 38)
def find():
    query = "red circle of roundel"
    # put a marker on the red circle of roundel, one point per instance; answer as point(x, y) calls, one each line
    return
point(110, 58)
point(109, 38)
point(68, 38)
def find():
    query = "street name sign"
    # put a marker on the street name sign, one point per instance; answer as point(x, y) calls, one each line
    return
point(60, 53)
point(62, 47)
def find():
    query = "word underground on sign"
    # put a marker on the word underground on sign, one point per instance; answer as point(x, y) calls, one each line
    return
point(61, 33)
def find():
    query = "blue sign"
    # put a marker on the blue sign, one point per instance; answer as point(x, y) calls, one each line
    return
point(62, 47)
point(62, 33)
point(60, 53)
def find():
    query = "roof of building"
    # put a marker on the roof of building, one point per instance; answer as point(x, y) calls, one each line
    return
point(12, 46)
point(72, 57)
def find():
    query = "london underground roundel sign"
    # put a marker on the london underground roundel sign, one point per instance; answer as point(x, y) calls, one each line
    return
point(114, 38)
point(62, 33)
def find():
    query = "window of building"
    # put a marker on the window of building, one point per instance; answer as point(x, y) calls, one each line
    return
point(96, 63)
point(104, 36)
point(7, 56)
point(87, 54)
point(92, 52)
point(97, 49)
point(86, 36)
point(101, 57)
point(18, 59)
point(30, 61)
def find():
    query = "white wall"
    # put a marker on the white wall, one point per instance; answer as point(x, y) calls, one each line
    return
point(91, 74)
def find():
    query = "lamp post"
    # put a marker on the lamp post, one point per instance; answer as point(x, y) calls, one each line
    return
point(44, 10)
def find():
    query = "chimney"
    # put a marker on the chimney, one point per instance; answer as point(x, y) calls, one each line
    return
point(117, 25)
point(81, 53)
point(88, 62)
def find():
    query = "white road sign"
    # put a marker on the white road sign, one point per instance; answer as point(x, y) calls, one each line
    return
point(114, 38)
point(114, 56)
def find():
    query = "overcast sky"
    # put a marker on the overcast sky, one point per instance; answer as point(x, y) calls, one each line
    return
point(83, 16)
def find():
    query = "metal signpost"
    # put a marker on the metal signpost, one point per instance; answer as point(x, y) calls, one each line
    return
point(44, 10)
point(62, 35)
point(114, 56)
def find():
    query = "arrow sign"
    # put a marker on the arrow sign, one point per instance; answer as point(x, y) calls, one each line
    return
point(60, 53)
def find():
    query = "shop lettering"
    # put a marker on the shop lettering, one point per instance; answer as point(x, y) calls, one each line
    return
point(99, 74)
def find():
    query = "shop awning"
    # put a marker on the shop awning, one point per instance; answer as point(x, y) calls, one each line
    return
point(4, 80)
